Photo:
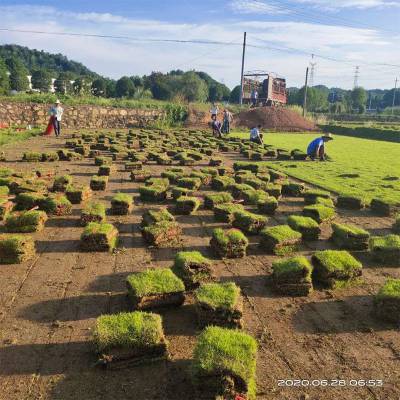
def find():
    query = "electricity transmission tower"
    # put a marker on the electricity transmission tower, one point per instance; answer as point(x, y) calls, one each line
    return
point(356, 76)
point(312, 71)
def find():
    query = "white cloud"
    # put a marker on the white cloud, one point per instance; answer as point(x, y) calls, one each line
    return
point(255, 7)
point(359, 4)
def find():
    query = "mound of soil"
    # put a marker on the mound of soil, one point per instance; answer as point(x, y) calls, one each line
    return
point(277, 118)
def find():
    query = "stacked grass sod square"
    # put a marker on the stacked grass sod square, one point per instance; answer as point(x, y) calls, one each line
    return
point(385, 208)
point(56, 205)
point(16, 249)
point(386, 249)
point(350, 202)
point(254, 196)
point(189, 183)
point(193, 268)
point(177, 191)
point(106, 170)
point(387, 301)
point(280, 240)
point(155, 190)
point(6, 207)
point(293, 189)
point(121, 204)
point(349, 237)
point(186, 205)
point(396, 225)
point(268, 206)
point(140, 175)
point(93, 212)
point(212, 200)
point(224, 364)
point(222, 183)
point(99, 237)
point(248, 222)
point(155, 288)
point(319, 213)
point(129, 339)
point(77, 194)
point(61, 183)
point(311, 195)
point(293, 276)
point(219, 304)
point(335, 268)
point(160, 229)
point(25, 222)
point(98, 183)
point(226, 212)
point(229, 244)
point(308, 227)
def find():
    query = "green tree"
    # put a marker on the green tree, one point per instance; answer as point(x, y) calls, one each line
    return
point(359, 98)
point(41, 80)
point(4, 80)
point(99, 87)
point(193, 88)
point(18, 74)
point(317, 100)
point(235, 95)
point(124, 87)
point(63, 83)
point(82, 85)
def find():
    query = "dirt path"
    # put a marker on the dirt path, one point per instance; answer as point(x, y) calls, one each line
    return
point(48, 307)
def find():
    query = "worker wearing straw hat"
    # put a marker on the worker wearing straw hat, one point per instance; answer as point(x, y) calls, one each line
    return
point(316, 149)
point(57, 111)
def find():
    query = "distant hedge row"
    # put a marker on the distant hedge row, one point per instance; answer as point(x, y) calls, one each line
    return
point(364, 132)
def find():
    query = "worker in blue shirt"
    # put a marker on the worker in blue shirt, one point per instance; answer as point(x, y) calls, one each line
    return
point(317, 147)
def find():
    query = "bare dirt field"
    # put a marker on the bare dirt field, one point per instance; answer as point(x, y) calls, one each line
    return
point(48, 308)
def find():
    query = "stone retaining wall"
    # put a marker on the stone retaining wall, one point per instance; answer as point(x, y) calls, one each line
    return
point(85, 116)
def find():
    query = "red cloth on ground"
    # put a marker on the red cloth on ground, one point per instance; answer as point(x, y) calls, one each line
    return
point(50, 128)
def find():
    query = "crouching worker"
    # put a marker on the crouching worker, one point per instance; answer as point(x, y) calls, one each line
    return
point(216, 127)
point(255, 135)
point(316, 149)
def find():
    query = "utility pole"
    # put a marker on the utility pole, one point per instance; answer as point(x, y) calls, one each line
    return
point(305, 95)
point(394, 94)
point(241, 75)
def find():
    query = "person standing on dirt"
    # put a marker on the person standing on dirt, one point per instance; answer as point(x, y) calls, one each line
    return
point(214, 111)
point(57, 112)
point(256, 136)
point(254, 97)
point(316, 149)
point(226, 125)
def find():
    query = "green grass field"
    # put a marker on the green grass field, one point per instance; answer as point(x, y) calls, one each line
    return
point(376, 164)
point(10, 135)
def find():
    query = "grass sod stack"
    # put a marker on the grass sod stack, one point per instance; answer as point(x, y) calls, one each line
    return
point(274, 190)
point(222, 183)
point(162, 234)
point(5, 207)
point(238, 190)
point(154, 190)
point(99, 237)
point(292, 189)
point(280, 240)
point(268, 206)
point(98, 183)
point(226, 212)
point(133, 166)
point(350, 202)
point(189, 183)
point(93, 212)
point(140, 175)
point(177, 192)
point(311, 195)
point(106, 170)
point(56, 205)
point(16, 249)
point(155, 288)
point(349, 237)
point(308, 227)
point(335, 268)
point(385, 208)
point(396, 225)
point(322, 201)
point(212, 200)
point(219, 304)
point(129, 339)
point(293, 276)
point(319, 213)
point(224, 364)
point(186, 205)
point(61, 183)
point(26, 222)
point(32, 156)
point(193, 268)
point(229, 244)
point(78, 194)
point(99, 161)
point(248, 222)
point(151, 217)
point(253, 196)
point(121, 204)
point(386, 249)
point(387, 301)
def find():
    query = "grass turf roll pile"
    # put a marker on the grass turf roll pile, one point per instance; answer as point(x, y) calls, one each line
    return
point(153, 216)
point(396, 225)
point(387, 301)
point(219, 304)
point(155, 190)
point(385, 208)
point(335, 268)
point(16, 249)
point(99, 161)
point(222, 183)
point(106, 170)
point(268, 206)
point(308, 227)
point(78, 194)
point(212, 200)
point(274, 190)
point(229, 244)
point(129, 339)
point(311, 195)
point(61, 183)
point(140, 176)
point(26, 222)
point(293, 276)
point(193, 268)
point(350, 202)
point(93, 212)
point(386, 249)
point(238, 190)
point(177, 192)
point(254, 196)
point(98, 183)
point(5, 207)
point(319, 213)
point(225, 212)
point(293, 189)
point(32, 156)
point(155, 288)
point(99, 237)
point(186, 205)
point(133, 166)
point(280, 240)
point(189, 183)
point(248, 222)
point(57, 205)
point(349, 237)
point(121, 204)
point(224, 364)
point(162, 234)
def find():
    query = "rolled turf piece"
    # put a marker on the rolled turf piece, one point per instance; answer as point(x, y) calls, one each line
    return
point(121, 204)
point(386, 249)
point(229, 244)
point(319, 213)
point(308, 227)
point(248, 222)
point(93, 212)
point(349, 237)
point(162, 234)
point(99, 237)
point(387, 301)
point(26, 222)
point(280, 240)
point(16, 249)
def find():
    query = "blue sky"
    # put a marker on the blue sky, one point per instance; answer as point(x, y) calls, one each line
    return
point(282, 35)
